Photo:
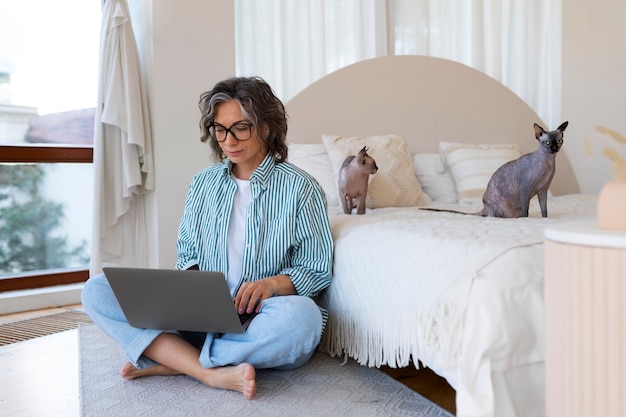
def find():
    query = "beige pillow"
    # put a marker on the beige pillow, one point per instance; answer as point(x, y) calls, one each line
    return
point(395, 183)
point(473, 165)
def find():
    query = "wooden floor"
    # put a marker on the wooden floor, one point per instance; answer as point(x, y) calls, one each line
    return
point(39, 377)
point(427, 383)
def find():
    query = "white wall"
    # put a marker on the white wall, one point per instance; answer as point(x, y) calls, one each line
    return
point(593, 83)
point(187, 46)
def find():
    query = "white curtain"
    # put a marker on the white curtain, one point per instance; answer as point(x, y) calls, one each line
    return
point(123, 160)
point(515, 42)
point(293, 43)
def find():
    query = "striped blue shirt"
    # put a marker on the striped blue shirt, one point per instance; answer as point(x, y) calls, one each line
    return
point(287, 227)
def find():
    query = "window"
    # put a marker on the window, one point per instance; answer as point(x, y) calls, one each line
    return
point(48, 90)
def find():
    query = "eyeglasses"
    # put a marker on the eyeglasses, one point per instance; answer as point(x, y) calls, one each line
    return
point(240, 131)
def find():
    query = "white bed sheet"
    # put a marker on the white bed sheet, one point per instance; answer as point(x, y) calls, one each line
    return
point(462, 294)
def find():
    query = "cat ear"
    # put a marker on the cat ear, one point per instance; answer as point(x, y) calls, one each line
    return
point(562, 127)
point(538, 131)
point(360, 155)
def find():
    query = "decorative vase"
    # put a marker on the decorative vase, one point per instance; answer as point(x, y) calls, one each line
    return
point(612, 206)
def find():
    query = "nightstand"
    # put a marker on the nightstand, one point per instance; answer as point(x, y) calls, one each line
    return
point(585, 299)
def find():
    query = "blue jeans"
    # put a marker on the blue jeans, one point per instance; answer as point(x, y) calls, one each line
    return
point(284, 335)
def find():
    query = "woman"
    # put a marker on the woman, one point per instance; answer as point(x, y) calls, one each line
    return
point(263, 223)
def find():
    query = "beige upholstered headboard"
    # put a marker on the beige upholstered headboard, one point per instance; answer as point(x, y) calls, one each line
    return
point(424, 99)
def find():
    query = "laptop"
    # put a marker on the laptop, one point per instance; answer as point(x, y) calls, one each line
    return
point(185, 300)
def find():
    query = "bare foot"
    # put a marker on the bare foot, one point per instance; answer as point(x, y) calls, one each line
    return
point(236, 378)
point(129, 371)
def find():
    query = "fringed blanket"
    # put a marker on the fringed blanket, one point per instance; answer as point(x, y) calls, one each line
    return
point(403, 278)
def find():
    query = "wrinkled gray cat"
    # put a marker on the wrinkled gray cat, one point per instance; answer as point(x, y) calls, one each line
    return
point(512, 186)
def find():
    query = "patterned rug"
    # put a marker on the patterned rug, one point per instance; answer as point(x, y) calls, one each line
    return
point(323, 387)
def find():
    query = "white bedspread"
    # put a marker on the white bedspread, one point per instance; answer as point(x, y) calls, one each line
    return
point(404, 278)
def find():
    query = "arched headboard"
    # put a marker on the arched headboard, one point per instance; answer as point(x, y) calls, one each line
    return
point(424, 99)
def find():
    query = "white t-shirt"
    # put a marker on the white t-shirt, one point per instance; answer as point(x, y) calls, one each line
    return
point(237, 233)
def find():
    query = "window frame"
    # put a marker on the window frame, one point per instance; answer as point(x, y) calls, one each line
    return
point(42, 153)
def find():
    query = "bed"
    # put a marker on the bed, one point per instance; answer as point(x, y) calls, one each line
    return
point(460, 294)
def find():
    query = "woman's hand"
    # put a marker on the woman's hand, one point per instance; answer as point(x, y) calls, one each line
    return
point(251, 294)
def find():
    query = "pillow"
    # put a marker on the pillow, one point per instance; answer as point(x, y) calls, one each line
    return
point(435, 179)
point(313, 159)
point(395, 183)
point(473, 165)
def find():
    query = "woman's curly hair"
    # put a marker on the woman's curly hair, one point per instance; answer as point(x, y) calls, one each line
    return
point(259, 105)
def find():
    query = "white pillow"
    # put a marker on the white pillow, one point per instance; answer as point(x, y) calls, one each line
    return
point(395, 183)
point(435, 179)
point(313, 159)
point(473, 165)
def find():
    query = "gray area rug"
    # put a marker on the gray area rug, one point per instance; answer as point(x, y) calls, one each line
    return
point(323, 387)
